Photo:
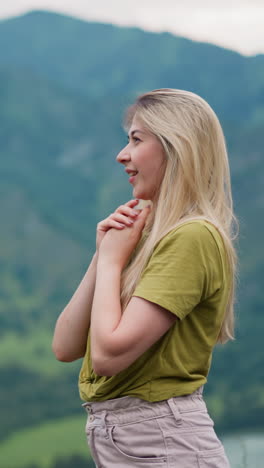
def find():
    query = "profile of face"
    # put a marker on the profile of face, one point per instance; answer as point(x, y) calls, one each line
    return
point(144, 161)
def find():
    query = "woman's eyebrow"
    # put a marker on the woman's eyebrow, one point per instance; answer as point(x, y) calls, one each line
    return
point(134, 131)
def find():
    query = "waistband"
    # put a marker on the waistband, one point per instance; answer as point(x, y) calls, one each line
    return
point(113, 410)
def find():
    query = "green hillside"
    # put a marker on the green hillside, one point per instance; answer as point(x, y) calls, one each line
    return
point(62, 98)
point(62, 439)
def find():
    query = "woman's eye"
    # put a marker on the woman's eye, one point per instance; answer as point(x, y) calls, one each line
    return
point(134, 139)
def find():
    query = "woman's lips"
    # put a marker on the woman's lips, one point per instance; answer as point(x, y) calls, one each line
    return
point(131, 179)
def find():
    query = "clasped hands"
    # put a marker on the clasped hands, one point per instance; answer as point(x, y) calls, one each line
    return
point(118, 234)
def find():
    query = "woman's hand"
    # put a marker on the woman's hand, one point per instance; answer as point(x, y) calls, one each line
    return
point(123, 216)
point(117, 245)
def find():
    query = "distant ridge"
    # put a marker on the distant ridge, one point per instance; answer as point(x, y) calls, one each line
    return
point(34, 12)
point(130, 59)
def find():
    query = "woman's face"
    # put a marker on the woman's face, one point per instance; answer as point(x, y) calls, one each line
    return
point(143, 155)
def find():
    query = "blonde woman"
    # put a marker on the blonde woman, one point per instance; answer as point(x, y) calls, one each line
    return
point(158, 294)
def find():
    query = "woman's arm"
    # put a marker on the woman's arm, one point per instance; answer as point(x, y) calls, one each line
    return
point(70, 335)
point(118, 340)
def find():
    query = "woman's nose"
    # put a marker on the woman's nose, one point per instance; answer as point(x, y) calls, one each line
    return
point(123, 156)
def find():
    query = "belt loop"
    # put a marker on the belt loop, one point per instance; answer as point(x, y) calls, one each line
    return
point(175, 411)
point(102, 423)
point(87, 407)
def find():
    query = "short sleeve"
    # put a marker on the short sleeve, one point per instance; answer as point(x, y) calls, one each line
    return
point(184, 269)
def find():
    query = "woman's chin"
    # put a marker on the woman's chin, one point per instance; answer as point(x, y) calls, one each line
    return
point(140, 195)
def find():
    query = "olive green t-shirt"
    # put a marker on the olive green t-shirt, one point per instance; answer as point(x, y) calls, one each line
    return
point(188, 275)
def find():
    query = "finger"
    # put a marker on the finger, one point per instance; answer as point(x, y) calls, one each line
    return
point(122, 218)
point(126, 211)
point(111, 224)
point(128, 208)
point(132, 202)
point(141, 219)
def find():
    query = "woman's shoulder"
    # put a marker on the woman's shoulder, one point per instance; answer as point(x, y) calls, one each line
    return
point(198, 238)
point(196, 229)
point(194, 235)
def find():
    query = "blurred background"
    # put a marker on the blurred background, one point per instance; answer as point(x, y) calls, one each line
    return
point(67, 72)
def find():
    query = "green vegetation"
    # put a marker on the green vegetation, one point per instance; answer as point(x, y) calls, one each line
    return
point(43, 444)
point(62, 98)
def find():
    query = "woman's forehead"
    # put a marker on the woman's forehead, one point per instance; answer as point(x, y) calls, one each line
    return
point(137, 125)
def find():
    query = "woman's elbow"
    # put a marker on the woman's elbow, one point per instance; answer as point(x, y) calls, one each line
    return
point(63, 355)
point(59, 354)
point(106, 367)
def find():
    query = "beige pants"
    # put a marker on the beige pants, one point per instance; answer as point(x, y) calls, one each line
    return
point(173, 433)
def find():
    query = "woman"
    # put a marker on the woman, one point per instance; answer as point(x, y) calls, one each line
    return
point(158, 294)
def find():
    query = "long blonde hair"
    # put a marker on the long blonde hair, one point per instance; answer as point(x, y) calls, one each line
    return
point(196, 182)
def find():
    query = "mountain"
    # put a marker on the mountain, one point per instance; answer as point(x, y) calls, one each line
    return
point(101, 60)
point(64, 84)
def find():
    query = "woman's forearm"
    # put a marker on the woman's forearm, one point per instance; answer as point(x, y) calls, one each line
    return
point(108, 336)
point(70, 335)
point(106, 312)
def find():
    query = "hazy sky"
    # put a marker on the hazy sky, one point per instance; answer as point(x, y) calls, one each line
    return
point(235, 24)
